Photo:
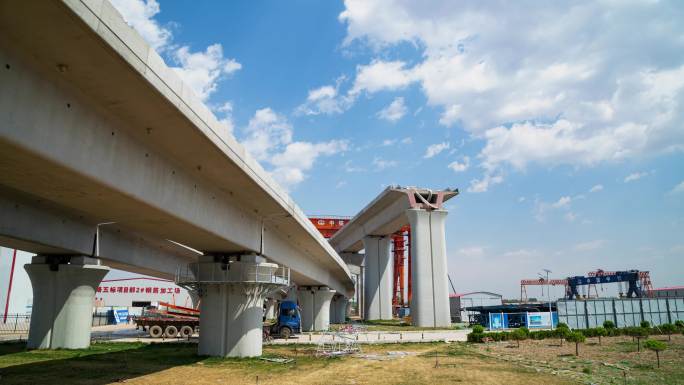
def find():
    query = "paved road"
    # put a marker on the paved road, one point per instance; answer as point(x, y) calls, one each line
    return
point(128, 333)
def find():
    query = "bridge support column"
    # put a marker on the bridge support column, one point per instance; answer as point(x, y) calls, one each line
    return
point(232, 305)
point(338, 309)
point(315, 308)
point(63, 294)
point(378, 278)
point(430, 300)
point(270, 308)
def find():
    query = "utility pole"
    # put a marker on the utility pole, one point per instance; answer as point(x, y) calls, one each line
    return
point(548, 294)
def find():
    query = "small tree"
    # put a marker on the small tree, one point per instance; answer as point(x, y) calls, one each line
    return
point(601, 332)
point(577, 338)
point(657, 347)
point(668, 329)
point(562, 331)
point(608, 324)
point(679, 324)
point(478, 329)
point(639, 333)
point(645, 324)
point(519, 335)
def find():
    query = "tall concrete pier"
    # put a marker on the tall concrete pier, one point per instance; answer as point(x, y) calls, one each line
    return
point(63, 291)
point(430, 303)
point(378, 285)
point(371, 230)
point(233, 290)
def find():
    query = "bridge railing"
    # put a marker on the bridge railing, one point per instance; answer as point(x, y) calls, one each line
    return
point(232, 272)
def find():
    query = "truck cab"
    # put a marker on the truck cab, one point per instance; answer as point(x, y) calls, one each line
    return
point(288, 321)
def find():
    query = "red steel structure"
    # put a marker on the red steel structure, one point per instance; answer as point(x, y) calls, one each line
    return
point(402, 276)
point(328, 225)
point(539, 282)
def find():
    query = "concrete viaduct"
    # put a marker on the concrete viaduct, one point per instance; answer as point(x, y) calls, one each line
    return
point(370, 230)
point(108, 160)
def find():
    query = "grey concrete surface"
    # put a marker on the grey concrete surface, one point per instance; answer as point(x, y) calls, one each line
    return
point(378, 278)
point(63, 305)
point(430, 303)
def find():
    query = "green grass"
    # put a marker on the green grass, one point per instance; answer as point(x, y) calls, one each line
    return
point(99, 364)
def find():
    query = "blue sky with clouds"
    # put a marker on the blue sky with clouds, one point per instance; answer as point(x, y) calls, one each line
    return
point(562, 124)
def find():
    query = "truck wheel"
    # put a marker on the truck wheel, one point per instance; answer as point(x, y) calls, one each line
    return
point(285, 332)
point(186, 331)
point(156, 331)
point(171, 331)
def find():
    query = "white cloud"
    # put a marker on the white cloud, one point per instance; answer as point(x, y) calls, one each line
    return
point(203, 70)
point(265, 132)
point(435, 149)
point(325, 100)
point(635, 176)
point(450, 115)
point(139, 14)
point(563, 202)
point(591, 245)
point(381, 76)
point(395, 111)
point(460, 167)
point(407, 140)
point(678, 189)
point(483, 184)
point(596, 188)
point(299, 157)
point(539, 83)
point(268, 137)
point(226, 109)
point(521, 199)
point(381, 164)
point(471, 252)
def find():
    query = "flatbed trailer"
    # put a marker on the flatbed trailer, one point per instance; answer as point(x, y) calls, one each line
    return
point(169, 321)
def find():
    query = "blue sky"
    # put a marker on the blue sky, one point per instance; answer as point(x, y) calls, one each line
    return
point(562, 124)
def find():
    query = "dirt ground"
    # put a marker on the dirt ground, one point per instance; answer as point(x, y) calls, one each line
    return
point(535, 362)
point(106, 363)
point(616, 360)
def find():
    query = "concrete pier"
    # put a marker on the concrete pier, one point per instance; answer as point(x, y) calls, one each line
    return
point(233, 290)
point(338, 309)
point(270, 312)
point(63, 295)
point(378, 278)
point(430, 302)
point(314, 305)
point(231, 322)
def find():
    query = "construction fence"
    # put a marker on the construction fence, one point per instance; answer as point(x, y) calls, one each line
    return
point(624, 312)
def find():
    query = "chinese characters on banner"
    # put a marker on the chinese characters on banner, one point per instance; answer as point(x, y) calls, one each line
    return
point(136, 289)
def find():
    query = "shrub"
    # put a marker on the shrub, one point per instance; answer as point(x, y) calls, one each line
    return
point(608, 324)
point(668, 329)
point(475, 337)
point(519, 335)
point(601, 332)
point(645, 324)
point(679, 324)
point(577, 338)
point(657, 347)
point(525, 330)
point(638, 333)
point(478, 329)
point(562, 331)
